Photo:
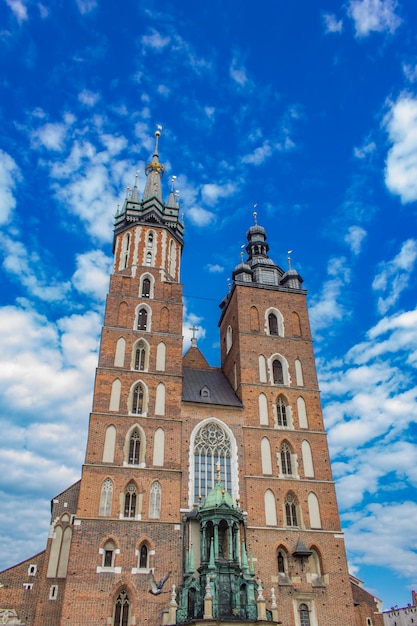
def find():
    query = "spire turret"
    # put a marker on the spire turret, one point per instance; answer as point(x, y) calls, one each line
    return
point(154, 171)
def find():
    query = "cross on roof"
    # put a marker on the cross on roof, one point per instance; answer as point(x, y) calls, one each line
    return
point(194, 330)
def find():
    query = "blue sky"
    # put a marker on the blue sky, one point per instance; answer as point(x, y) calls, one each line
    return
point(307, 109)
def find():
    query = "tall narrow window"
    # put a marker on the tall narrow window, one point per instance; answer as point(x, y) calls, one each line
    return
point(146, 288)
point(150, 240)
point(143, 556)
point(134, 448)
point(140, 354)
point(282, 561)
point(108, 554)
point(138, 399)
point(282, 412)
point(211, 445)
point(106, 498)
point(273, 324)
point(270, 508)
point(121, 610)
point(149, 259)
point(125, 253)
point(304, 615)
point(291, 510)
point(277, 372)
point(130, 500)
point(254, 319)
point(299, 373)
point(229, 338)
point(286, 460)
point(155, 501)
point(142, 319)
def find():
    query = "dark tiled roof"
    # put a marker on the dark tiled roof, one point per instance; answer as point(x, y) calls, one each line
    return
point(208, 386)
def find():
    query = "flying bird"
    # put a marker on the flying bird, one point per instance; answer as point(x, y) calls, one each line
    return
point(156, 587)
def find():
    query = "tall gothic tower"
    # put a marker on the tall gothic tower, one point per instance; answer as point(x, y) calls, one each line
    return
point(219, 476)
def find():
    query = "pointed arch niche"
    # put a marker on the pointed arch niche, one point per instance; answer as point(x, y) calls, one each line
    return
point(212, 441)
point(274, 322)
point(146, 288)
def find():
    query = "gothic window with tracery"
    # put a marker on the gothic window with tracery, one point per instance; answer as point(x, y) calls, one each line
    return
point(212, 444)
point(138, 399)
point(282, 412)
point(291, 510)
point(134, 448)
point(121, 610)
point(140, 354)
point(142, 319)
point(285, 452)
point(130, 500)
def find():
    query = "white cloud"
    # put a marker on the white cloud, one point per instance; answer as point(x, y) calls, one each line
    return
point(9, 176)
point(393, 276)
point(365, 150)
point(19, 9)
point(327, 307)
point(86, 6)
point(30, 271)
point(401, 163)
point(211, 192)
point(89, 98)
point(354, 238)
point(200, 217)
point(50, 136)
point(374, 16)
point(155, 40)
point(214, 268)
point(410, 72)
point(92, 274)
point(259, 155)
point(332, 24)
point(238, 73)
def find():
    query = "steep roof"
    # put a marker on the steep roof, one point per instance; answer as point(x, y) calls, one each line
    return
point(209, 386)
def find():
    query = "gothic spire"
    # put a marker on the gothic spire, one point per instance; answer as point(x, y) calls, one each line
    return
point(154, 171)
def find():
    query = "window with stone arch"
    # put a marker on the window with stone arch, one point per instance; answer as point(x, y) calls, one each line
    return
point(108, 554)
point(122, 609)
point(172, 259)
point(283, 413)
point(150, 240)
point(143, 318)
point(138, 399)
point(106, 498)
point(229, 338)
point(304, 615)
point(130, 500)
point(212, 442)
point(146, 286)
point(155, 497)
point(279, 370)
point(148, 259)
point(135, 446)
point(286, 461)
point(140, 356)
point(291, 512)
point(315, 564)
point(282, 561)
point(274, 323)
point(143, 554)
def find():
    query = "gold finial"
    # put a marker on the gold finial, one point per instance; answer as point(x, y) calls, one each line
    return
point(289, 259)
point(255, 214)
point(218, 471)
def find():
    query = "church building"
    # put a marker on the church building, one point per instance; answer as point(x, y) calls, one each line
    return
point(206, 495)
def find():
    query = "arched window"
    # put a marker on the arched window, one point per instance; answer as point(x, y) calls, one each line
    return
point(134, 448)
point(282, 561)
point(149, 259)
point(229, 338)
point(172, 259)
point(315, 565)
point(285, 454)
point(138, 399)
point(282, 417)
point(304, 615)
point(150, 240)
point(140, 354)
point(155, 501)
point(144, 556)
point(122, 610)
point(291, 510)
point(130, 500)
point(272, 324)
point(277, 372)
point(146, 288)
point(142, 319)
point(108, 554)
point(125, 251)
point(212, 444)
point(106, 498)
